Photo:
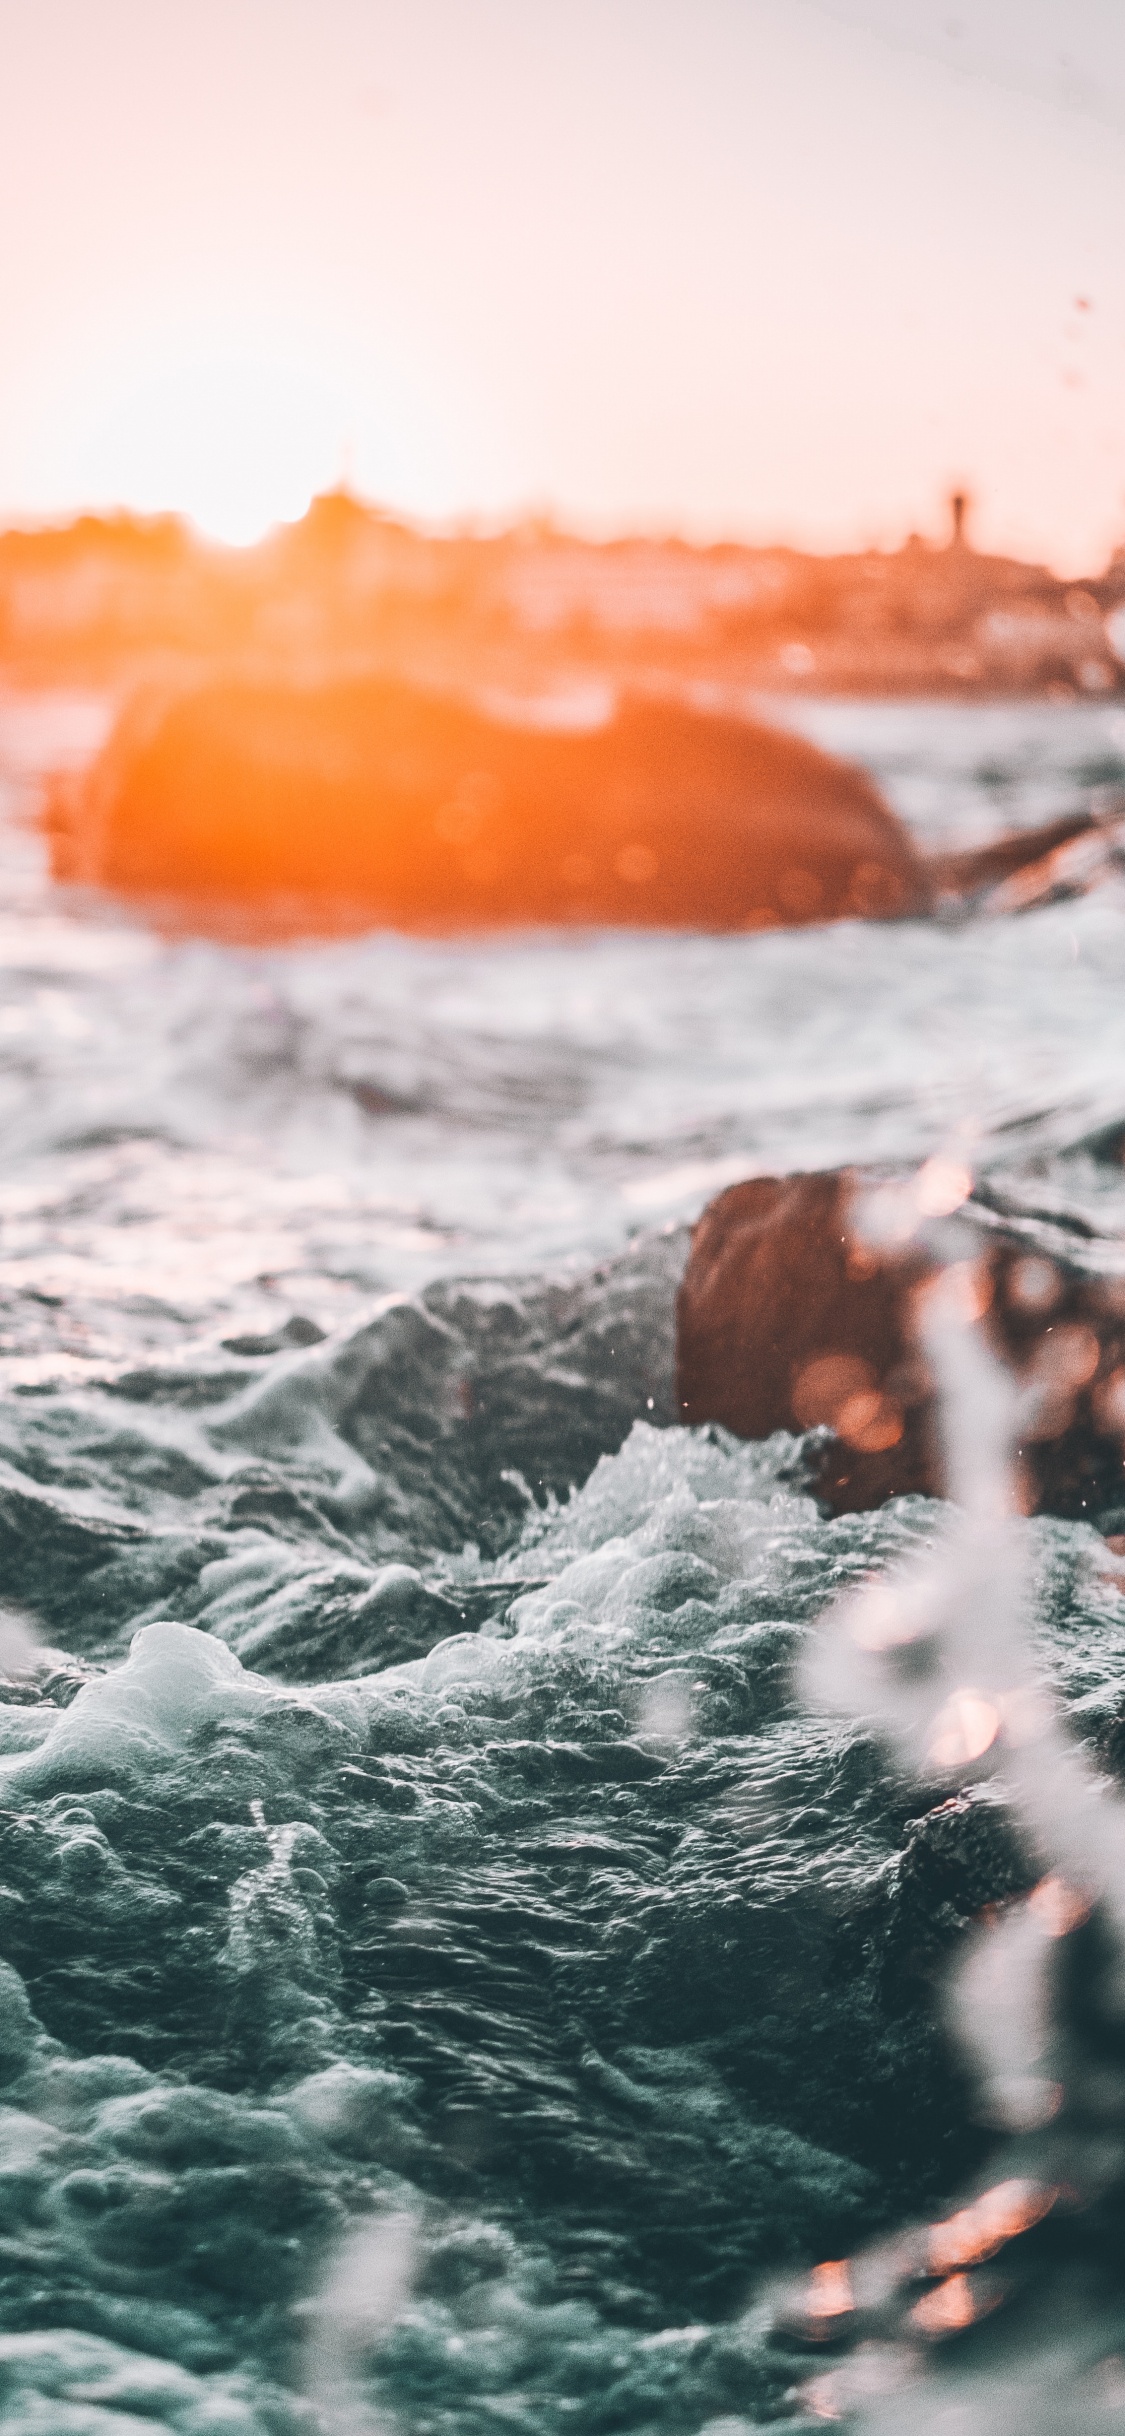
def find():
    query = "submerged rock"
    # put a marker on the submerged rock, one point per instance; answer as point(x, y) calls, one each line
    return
point(372, 797)
point(788, 1319)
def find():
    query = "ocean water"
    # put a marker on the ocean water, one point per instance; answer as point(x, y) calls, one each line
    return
point(449, 1974)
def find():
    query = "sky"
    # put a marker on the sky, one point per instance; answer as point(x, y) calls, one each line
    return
point(783, 270)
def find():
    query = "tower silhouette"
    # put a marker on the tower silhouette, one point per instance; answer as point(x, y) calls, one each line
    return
point(959, 509)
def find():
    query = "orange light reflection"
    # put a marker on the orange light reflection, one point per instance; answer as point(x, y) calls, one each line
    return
point(977, 2232)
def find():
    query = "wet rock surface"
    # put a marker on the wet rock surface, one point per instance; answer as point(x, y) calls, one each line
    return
point(789, 1316)
point(375, 796)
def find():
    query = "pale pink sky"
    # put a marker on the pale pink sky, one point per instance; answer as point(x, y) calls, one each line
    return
point(777, 268)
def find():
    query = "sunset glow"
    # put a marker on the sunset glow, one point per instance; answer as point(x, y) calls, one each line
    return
point(237, 443)
point(785, 271)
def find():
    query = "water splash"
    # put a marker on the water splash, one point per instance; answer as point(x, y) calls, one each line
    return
point(1008, 2313)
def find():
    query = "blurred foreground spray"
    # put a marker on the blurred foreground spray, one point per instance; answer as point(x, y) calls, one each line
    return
point(1010, 2315)
point(367, 2285)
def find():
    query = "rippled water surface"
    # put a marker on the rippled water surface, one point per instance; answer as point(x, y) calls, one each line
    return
point(445, 1973)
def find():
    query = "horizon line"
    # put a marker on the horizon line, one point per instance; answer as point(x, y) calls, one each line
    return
point(538, 521)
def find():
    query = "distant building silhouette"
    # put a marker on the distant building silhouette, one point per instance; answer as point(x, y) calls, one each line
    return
point(533, 608)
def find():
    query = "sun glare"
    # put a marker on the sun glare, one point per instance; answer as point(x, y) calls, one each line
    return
point(240, 442)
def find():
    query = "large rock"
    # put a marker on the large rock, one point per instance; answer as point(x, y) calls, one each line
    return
point(425, 812)
point(786, 1319)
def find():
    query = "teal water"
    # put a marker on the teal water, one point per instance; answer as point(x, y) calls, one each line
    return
point(448, 1977)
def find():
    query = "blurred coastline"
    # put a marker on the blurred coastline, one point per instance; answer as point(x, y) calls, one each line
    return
point(535, 614)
